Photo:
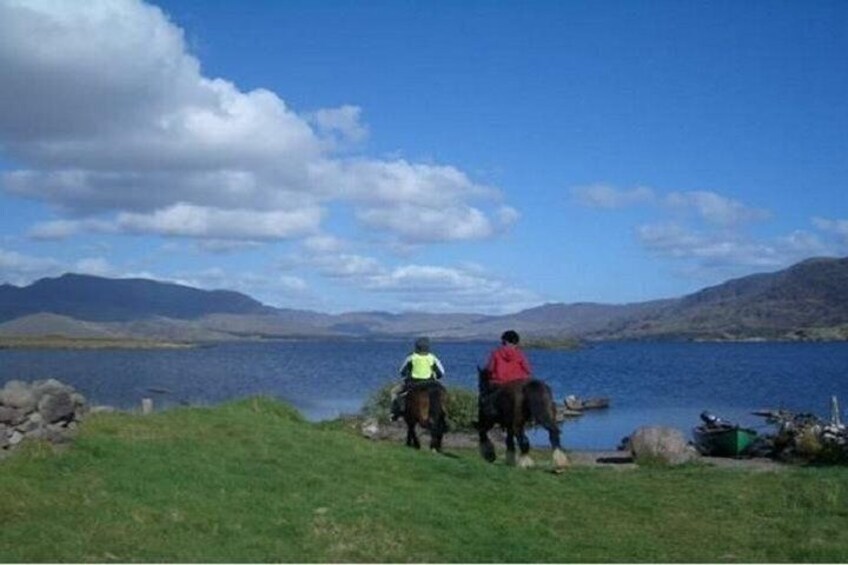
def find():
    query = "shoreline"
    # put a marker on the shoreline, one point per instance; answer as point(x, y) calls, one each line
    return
point(60, 342)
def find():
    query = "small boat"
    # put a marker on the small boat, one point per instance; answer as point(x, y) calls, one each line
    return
point(718, 438)
point(574, 403)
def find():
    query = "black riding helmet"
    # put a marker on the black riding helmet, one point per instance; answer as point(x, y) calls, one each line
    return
point(510, 336)
point(422, 345)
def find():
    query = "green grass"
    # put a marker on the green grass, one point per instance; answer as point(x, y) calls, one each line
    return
point(252, 482)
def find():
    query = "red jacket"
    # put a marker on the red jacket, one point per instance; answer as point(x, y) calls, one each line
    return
point(506, 364)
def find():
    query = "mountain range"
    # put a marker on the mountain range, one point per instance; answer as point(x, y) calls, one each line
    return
point(806, 301)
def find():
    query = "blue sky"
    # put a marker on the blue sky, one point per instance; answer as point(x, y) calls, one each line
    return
point(436, 156)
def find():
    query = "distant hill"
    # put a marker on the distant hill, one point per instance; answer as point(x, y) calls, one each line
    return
point(100, 299)
point(806, 301)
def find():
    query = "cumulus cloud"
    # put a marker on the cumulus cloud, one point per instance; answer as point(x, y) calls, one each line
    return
point(435, 288)
point(109, 116)
point(728, 249)
point(838, 228)
point(21, 269)
point(196, 221)
point(342, 124)
point(706, 230)
point(416, 223)
point(714, 208)
point(17, 268)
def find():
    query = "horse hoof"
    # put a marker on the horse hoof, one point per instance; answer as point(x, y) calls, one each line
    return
point(487, 452)
point(510, 458)
point(525, 462)
point(560, 460)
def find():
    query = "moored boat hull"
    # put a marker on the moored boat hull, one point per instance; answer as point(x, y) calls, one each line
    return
point(724, 441)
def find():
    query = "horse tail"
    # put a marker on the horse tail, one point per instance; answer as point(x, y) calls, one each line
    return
point(540, 403)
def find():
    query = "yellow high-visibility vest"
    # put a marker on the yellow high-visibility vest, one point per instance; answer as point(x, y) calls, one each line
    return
point(422, 365)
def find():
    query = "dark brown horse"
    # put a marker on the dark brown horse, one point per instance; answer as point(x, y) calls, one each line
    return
point(516, 406)
point(425, 407)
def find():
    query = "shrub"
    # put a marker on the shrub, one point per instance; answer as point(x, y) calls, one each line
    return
point(461, 409)
point(379, 405)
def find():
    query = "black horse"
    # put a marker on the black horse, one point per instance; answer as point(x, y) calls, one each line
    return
point(516, 405)
point(425, 406)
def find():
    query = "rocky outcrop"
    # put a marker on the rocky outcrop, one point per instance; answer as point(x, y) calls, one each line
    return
point(46, 409)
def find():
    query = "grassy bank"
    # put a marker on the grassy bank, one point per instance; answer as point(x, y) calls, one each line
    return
point(251, 481)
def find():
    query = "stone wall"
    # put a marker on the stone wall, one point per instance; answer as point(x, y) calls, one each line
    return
point(45, 409)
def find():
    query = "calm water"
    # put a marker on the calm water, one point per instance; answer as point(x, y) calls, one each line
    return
point(653, 383)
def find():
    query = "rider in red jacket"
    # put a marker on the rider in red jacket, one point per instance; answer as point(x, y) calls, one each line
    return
point(507, 363)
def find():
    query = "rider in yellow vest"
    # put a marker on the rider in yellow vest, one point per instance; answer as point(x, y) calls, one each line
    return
point(420, 366)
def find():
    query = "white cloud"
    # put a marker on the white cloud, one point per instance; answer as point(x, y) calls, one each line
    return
point(97, 266)
point(346, 265)
point(435, 288)
point(723, 249)
point(609, 197)
point(63, 229)
point(195, 221)
point(342, 124)
point(109, 114)
point(714, 208)
point(835, 227)
point(418, 223)
point(17, 268)
point(324, 243)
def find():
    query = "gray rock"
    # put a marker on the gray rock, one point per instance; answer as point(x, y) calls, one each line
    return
point(49, 386)
point(9, 415)
point(16, 438)
point(32, 423)
point(56, 406)
point(370, 428)
point(659, 444)
point(18, 394)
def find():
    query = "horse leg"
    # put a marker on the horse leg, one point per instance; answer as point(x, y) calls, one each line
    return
point(487, 448)
point(510, 446)
point(437, 433)
point(560, 459)
point(525, 461)
point(411, 436)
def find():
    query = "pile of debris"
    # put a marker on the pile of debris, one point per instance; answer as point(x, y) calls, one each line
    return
point(806, 437)
point(45, 409)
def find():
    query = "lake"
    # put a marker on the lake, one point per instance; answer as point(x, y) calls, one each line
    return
point(648, 383)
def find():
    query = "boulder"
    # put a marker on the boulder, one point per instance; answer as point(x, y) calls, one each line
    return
point(55, 406)
point(18, 394)
point(45, 410)
point(659, 444)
